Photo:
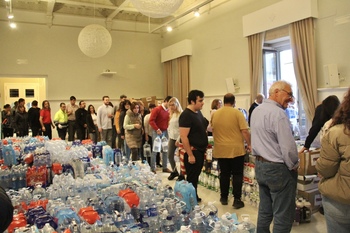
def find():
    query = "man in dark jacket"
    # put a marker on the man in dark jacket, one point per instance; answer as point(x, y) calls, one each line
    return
point(80, 120)
point(33, 119)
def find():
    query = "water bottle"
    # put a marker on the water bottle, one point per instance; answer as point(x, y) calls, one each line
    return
point(164, 144)
point(217, 228)
point(157, 144)
point(153, 218)
point(184, 229)
point(197, 224)
point(118, 156)
point(184, 220)
point(147, 150)
point(169, 225)
point(210, 221)
point(110, 228)
point(247, 224)
point(47, 228)
point(307, 211)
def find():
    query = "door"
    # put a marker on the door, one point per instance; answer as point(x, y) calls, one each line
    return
point(27, 91)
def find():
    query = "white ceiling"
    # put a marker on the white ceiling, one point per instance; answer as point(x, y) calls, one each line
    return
point(111, 12)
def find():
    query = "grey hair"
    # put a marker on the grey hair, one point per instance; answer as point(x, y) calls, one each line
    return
point(278, 85)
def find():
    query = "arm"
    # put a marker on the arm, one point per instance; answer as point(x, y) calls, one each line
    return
point(328, 163)
point(127, 125)
point(116, 121)
point(286, 142)
point(146, 126)
point(315, 128)
point(246, 136)
point(41, 123)
point(152, 120)
point(186, 144)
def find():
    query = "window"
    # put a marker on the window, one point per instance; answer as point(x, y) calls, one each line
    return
point(14, 93)
point(30, 93)
point(278, 65)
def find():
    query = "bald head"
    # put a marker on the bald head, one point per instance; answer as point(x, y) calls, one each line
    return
point(259, 98)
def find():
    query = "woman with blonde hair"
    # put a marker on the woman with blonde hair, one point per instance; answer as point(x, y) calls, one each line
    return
point(175, 110)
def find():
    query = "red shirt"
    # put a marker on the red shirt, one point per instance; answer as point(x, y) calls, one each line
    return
point(46, 115)
point(159, 118)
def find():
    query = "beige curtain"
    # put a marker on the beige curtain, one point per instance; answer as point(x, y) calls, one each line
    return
point(255, 43)
point(176, 73)
point(183, 79)
point(168, 74)
point(302, 41)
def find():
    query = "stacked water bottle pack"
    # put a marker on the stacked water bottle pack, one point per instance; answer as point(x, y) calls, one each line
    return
point(83, 187)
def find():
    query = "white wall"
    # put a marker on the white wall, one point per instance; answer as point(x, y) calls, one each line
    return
point(55, 53)
point(220, 51)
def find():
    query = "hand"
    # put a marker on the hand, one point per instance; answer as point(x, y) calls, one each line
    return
point(249, 148)
point(177, 143)
point(118, 131)
point(146, 137)
point(59, 126)
point(122, 137)
point(53, 126)
point(159, 132)
point(43, 128)
point(100, 130)
point(137, 126)
point(303, 150)
point(191, 159)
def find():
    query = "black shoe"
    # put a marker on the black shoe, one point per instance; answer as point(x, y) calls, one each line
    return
point(237, 204)
point(223, 201)
point(199, 199)
point(321, 210)
point(180, 177)
point(159, 165)
point(173, 175)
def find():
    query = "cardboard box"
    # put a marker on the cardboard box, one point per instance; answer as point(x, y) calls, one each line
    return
point(313, 196)
point(308, 162)
point(307, 182)
point(149, 100)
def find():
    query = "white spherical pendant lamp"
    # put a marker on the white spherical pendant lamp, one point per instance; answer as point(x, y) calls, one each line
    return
point(157, 8)
point(94, 40)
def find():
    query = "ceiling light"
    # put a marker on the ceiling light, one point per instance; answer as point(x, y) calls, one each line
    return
point(196, 13)
point(7, 0)
point(13, 25)
point(10, 16)
point(169, 28)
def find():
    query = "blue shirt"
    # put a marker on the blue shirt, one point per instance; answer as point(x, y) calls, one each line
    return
point(271, 135)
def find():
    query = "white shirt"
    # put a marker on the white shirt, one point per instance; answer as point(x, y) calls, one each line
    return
point(148, 128)
point(103, 121)
point(173, 128)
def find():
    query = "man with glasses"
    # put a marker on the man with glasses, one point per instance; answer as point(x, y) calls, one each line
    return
point(276, 160)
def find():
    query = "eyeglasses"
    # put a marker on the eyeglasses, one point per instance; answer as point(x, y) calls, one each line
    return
point(171, 104)
point(289, 93)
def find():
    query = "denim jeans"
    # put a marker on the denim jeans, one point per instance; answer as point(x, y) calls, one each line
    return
point(154, 154)
point(337, 215)
point(277, 190)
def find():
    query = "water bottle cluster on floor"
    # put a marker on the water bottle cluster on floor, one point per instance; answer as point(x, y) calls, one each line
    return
point(82, 187)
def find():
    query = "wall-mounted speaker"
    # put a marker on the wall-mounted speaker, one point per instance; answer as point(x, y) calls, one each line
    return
point(331, 75)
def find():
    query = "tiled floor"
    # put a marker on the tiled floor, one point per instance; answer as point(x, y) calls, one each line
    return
point(317, 224)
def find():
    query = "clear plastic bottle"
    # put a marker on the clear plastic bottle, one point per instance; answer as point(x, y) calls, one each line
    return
point(197, 224)
point(169, 225)
point(157, 144)
point(247, 224)
point(164, 144)
point(217, 228)
point(147, 150)
point(153, 218)
point(184, 220)
point(47, 229)
point(39, 192)
point(184, 229)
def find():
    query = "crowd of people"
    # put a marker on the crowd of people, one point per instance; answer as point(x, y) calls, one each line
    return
point(269, 138)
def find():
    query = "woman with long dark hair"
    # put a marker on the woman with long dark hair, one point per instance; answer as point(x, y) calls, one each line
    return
point(45, 119)
point(333, 166)
point(91, 121)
